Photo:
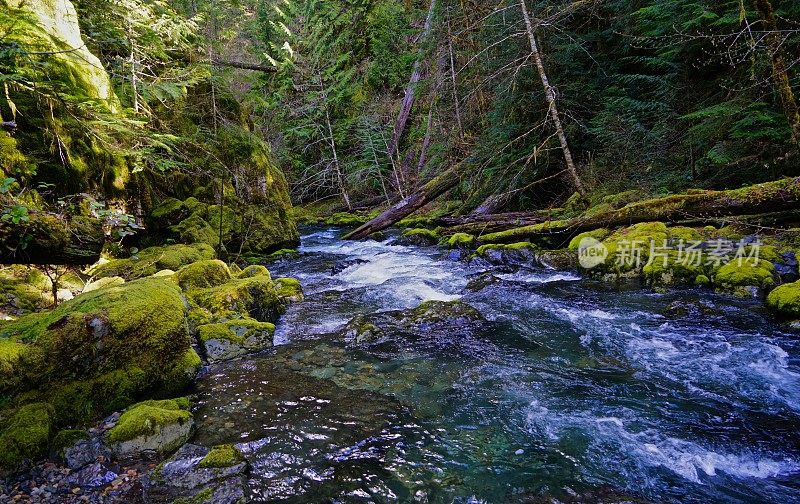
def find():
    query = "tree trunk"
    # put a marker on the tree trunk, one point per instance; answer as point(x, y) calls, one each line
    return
point(51, 239)
point(550, 94)
point(408, 99)
point(243, 66)
point(339, 175)
point(427, 193)
point(706, 206)
point(779, 72)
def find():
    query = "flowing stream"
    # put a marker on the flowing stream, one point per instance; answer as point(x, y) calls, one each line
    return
point(574, 386)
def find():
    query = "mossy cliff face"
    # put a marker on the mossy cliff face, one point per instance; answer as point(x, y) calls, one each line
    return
point(74, 89)
point(252, 228)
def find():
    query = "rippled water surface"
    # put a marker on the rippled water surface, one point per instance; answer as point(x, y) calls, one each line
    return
point(572, 387)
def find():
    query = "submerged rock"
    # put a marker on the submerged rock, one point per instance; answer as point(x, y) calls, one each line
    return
point(437, 313)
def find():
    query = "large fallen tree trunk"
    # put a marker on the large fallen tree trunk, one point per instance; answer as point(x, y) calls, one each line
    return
point(51, 239)
point(490, 223)
point(427, 193)
point(698, 207)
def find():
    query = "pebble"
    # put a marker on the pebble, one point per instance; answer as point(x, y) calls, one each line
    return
point(519, 452)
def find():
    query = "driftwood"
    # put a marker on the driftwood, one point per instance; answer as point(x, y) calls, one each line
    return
point(427, 193)
point(51, 239)
point(697, 207)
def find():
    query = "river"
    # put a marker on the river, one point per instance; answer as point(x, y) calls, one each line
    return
point(573, 387)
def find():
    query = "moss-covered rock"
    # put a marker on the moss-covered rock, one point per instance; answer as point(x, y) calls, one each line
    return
point(160, 426)
point(597, 234)
point(452, 313)
point(515, 254)
point(289, 290)
point(102, 283)
point(235, 338)
point(25, 434)
point(203, 274)
point(459, 240)
point(254, 270)
point(784, 300)
point(361, 330)
point(420, 237)
point(151, 260)
point(23, 290)
point(671, 269)
point(739, 275)
point(102, 350)
point(254, 296)
point(222, 456)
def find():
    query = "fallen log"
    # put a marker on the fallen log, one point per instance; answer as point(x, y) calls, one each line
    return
point(427, 193)
point(47, 238)
point(700, 206)
point(489, 223)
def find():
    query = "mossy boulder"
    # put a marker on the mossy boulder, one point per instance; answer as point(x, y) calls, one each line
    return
point(784, 300)
point(25, 434)
point(159, 426)
point(451, 313)
point(102, 283)
point(745, 277)
point(150, 261)
point(23, 290)
point(203, 274)
point(515, 254)
point(222, 456)
point(459, 241)
point(253, 296)
point(235, 338)
point(289, 290)
point(361, 330)
point(420, 237)
point(672, 269)
point(102, 350)
point(254, 270)
point(597, 234)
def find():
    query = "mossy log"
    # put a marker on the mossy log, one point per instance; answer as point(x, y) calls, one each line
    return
point(48, 238)
point(478, 224)
point(698, 206)
point(427, 193)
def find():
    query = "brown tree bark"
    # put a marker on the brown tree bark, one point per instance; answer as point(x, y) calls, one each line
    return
point(427, 193)
point(550, 95)
point(408, 98)
point(51, 239)
point(779, 71)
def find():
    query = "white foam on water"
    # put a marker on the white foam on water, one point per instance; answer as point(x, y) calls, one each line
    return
point(539, 277)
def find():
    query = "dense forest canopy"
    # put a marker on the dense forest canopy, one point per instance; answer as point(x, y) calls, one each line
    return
point(372, 98)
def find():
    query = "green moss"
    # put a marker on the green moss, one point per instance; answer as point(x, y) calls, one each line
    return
point(253, 296)
point(745, 273)
point(484, 249)
point(426, 234)
point(672, 269)
point(512, 234)
point(67, 438)
point(181, 373)
point(702, 280)
point(785, 300)
point(459, 240)
point(195, 229)
point(203, 497)
point(222, 456)
point(151, 260)
point(102, 349)
point(202, 274)
point(236, 331)
point(684, 234)
point(23, 290)
point(346, 219)
point(597, 234)
point(289, 289)
point(102, 283)
point(26, 434)
point(145, 418)
point(254, 270)
point(10, 351)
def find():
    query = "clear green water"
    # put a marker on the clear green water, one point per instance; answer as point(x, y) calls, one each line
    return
point(572, 387)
